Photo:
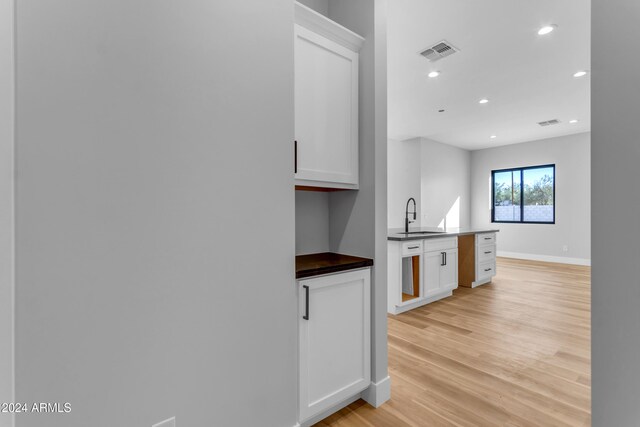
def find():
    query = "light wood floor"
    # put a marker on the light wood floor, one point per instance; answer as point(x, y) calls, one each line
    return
point(512, 353)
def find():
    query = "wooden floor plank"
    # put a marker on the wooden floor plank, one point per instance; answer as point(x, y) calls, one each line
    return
point(515, 352)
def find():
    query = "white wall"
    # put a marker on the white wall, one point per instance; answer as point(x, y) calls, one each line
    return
point(571, 156)
point(445, 199)
point(436, 175)
point(616, 203)
point(312, 222)
point(403, 178)
point(149, 136)
point(6, 206)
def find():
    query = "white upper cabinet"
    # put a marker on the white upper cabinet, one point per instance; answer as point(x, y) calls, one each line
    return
point(326, 101)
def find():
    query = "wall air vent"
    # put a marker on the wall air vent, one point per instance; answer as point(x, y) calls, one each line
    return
point(549, 122)
point(439, 50)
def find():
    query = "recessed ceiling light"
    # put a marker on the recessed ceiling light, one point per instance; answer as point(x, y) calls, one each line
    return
point(574, 121)
point(547, 29)
point(483, 101)
point(434, 74)
point(493, 136)
point(581, 73)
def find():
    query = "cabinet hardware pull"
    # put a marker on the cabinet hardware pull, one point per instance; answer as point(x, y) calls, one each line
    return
point(487, 269)
point(445, 258)
point(487, 252)
point(295, 156)
point(306, 302)
point(487, 238)
point(413, 247)
point(443, 261)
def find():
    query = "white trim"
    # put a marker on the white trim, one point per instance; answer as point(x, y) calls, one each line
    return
point(324, 26)
point(170, 422)
point(419, 302)
point(378, 393)
point(545, 258)
point(326, 184)
point(330, 411)
point(481, 282)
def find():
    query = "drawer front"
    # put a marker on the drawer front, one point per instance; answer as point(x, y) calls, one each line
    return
point(485, 239)
point(412, 247)
point(486, 270)
point(486, 253)
point(440, 244)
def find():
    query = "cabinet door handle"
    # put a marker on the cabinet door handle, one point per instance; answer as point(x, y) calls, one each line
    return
point(295, 156)
point(487, 269)
point(487, 252)
point(306, 302)
point(444, 258)
point(413, 247)
point(487, 238)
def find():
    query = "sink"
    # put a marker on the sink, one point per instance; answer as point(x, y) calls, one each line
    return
point(424, 232)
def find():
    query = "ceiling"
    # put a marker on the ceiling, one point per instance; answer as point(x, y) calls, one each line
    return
point(527, 78)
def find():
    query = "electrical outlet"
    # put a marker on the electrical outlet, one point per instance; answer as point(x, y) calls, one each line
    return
point(565, 248)
point(171, 422)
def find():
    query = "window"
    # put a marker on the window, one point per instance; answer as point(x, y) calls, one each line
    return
point(524, 195)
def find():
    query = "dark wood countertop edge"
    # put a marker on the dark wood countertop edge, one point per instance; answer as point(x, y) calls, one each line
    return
point(357, 263)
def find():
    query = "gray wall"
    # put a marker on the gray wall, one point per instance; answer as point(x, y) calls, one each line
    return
point(616, 203)
point(6, 206)
point(379, 301)
point(312, 222)
point(148, 135)
point(321, 6)
point(571, 156)
point(358, 218)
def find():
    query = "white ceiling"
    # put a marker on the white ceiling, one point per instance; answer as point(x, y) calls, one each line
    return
point(527, 78)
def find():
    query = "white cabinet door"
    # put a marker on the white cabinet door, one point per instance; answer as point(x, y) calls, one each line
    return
point(440, 271)
point(432, 265)
point(449, 271)
point(334, 339)
point(326, 111)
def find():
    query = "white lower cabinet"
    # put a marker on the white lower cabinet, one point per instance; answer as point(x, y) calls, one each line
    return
point(431, 265)
point(440, 271)
point(485, 258)
point(334, 339)
point(421, 272)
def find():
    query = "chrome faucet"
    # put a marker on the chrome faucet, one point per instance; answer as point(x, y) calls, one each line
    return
point(406, 214)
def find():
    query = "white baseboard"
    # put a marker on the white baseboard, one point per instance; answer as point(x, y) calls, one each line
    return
point(324, 414)
point(378, 393)
point(418, 302)
point(545, 258)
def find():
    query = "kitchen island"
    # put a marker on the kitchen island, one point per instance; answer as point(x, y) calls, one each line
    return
point(427, 264)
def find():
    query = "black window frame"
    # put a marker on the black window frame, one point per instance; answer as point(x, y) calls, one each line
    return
point(521, 170)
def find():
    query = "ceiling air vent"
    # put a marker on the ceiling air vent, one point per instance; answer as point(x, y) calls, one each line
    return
point(439, 50)
point(549, 122)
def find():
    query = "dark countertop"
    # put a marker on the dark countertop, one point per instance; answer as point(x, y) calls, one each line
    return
point(396, 234)
point(328, 262)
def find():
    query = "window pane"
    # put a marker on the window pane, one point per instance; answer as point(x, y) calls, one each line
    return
point(506, 198)
point(538, 194)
